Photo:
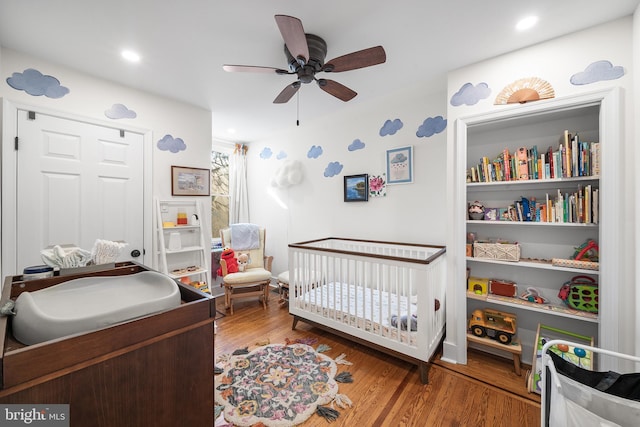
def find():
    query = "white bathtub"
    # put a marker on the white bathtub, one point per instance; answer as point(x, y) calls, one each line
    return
point(90, 303)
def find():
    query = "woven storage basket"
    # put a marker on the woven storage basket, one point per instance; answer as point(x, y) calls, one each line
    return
point(500, 251)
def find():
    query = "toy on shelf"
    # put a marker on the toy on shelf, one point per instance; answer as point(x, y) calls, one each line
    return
point(476, 210)
point(533, 295)
point(478, 285)
point(585, 256)
point(494, 324)
point(581, 293)
point(182, 218)
point(503, 288)
point(588, 251)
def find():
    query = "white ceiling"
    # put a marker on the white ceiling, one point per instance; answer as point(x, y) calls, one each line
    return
point(184, 44)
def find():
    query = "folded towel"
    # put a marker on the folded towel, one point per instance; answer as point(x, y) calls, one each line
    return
point(245, 236)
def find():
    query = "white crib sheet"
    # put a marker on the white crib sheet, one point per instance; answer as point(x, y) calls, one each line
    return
point(365, 308)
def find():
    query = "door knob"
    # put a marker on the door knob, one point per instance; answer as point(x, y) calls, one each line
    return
point(135, 253)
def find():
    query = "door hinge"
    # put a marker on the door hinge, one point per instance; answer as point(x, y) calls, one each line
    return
point(31, 115)
point(15, 143)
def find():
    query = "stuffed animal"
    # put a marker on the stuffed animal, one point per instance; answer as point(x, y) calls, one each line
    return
point(404, 320)
point(243, 261)
point(229, 256)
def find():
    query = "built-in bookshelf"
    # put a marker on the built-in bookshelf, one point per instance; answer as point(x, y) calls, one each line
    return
point(546, 175)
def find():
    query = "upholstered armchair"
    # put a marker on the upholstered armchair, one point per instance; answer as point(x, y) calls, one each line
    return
point(256, 278)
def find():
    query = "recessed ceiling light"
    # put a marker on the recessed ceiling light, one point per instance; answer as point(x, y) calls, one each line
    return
point(130, 55)
point(526, 23)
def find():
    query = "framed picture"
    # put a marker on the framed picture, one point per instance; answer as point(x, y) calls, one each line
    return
point(356, 188)
point(187, 181)
point(399, 163)
point(378, 185)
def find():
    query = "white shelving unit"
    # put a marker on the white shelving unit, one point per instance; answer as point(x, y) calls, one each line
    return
point(595, 117)
point(183, 255)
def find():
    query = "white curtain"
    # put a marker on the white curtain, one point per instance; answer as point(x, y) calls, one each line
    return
point(238, 192)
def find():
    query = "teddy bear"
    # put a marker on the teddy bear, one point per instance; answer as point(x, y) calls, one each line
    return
point(229, 256)
point(243, 262)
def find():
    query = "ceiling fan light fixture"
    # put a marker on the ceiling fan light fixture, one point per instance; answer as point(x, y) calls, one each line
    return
point(317, 53)
point(328, 68)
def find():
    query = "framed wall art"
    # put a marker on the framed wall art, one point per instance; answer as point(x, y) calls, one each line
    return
point(399, 164)
point(356, 188)
point(186, 181)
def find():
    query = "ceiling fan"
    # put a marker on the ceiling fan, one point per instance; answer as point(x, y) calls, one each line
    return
point(305, 55)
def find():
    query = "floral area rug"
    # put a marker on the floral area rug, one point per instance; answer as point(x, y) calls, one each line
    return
point(279, 385)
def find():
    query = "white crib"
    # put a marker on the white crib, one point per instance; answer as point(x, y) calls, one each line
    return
point(389, 296)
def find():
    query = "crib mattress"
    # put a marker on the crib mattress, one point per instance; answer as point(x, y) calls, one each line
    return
point(365, 308)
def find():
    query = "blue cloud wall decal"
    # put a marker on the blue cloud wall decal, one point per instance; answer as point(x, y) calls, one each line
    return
point(169, 143)
point(266, 153)
point(36, 84)
point(431, 126)
point(281, 155)
point(356, 145)
point(333, 169)
point(597, 71)
point(470, 94)
point(314, 152)
point(391, 127)
point(120, 111)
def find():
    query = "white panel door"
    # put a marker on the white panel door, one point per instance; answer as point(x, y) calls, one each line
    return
point(76, 182)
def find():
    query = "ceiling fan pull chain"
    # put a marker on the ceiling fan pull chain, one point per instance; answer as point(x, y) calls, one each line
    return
point(298, 108)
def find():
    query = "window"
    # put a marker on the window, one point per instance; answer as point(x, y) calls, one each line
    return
point(219, 192)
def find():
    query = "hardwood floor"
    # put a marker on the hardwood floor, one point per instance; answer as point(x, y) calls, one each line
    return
point(387, 391)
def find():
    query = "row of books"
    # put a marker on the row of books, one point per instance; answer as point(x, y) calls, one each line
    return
point(572, 158)
point(580, 206)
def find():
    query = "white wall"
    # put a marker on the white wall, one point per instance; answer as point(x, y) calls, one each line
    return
point(90, 97)
point(409, 212)
point(556, 61)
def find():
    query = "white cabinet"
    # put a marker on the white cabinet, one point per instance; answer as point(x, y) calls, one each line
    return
point(182, 249)
point(595, 117)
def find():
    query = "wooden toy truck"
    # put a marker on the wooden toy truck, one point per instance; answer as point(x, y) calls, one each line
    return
point(493, 324)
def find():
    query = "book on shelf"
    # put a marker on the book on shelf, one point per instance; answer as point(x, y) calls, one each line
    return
point(572, 158)
point(506, 160)
point(595, 159)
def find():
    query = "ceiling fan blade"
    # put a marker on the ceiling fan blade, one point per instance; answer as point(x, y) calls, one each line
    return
point(360, 59)
point(336, 89)
point(287, 93)
point(252, 69)
point(293, 36)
